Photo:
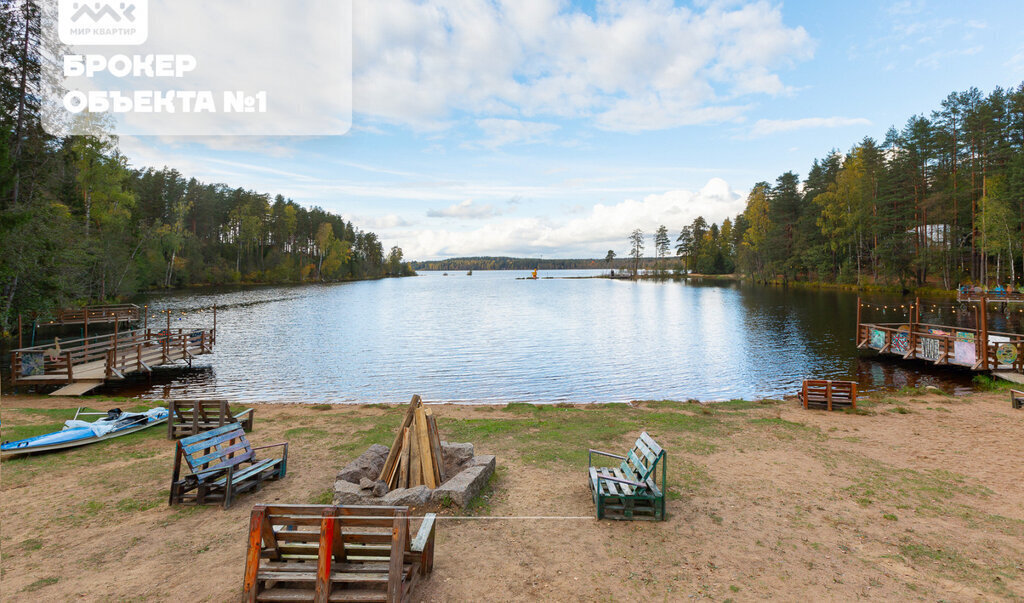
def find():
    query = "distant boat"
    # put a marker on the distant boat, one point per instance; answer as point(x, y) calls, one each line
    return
point(470, 273)
point(78, 433)
point(445, 274)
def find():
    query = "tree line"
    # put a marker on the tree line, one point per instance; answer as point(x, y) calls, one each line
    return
point(939, 202)
point(78, 225)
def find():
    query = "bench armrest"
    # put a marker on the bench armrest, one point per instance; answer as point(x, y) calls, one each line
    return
point(425, 533)
point(285, 444)
point(620, 481)
point(592, 452)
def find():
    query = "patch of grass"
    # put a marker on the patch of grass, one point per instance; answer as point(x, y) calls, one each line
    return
point(325, 497)
point(984, 383)
point(481, 503)
point(889, 517)
point(32, 544)
point(304, 432)
point(933, 490)
point(41, 583)
point(381, 431)
point(900, 410)
point(134, 505)
point(322, 407)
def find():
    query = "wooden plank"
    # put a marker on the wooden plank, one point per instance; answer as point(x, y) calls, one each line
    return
point(415, 473)
point(655, 448)
point(77, 388)
point(403, 476)
point(423, 447)
point(398, 539)
point(435, 442)
point(252, 561)
point(396, 445)
point(325, 554)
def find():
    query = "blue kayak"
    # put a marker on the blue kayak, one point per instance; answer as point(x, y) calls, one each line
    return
point(115, 423)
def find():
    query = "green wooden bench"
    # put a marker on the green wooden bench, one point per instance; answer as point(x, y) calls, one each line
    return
point(1016, 398)
point(216, 461)
point(336, 553)
point(631, 490)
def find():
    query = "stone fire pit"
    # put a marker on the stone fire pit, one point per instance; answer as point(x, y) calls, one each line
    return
point(357, 483)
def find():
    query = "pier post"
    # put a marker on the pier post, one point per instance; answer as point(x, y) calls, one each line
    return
point(85, 322)
point(145, 324)
point(214, 336)
point(856, 338)
point(984, 332)
point(19, 329)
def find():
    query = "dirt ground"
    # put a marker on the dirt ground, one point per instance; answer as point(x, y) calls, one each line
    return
point(920, 497)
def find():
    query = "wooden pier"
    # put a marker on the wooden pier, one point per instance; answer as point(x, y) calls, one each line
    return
point(86, 363)
point(976, 349)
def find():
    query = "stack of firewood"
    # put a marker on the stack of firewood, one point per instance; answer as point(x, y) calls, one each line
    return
point(415, 457)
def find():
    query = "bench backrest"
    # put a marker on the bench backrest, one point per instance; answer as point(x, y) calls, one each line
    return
point(294, 531)
point(819, 389)
point(216, 449)
point(642, 459)
point(204, 411)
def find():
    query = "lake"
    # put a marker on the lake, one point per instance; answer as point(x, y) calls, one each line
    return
point(496, 337)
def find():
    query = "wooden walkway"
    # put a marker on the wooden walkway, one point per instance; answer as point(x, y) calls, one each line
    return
point(83, 364)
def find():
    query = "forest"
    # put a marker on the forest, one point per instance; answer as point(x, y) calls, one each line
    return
point(79, 225)
point(937, 203)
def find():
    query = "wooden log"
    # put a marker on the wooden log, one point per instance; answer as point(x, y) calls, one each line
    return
point(427, 468)
point(435, 444)
point(396, 447)
point(415, 467)
point(403, 475)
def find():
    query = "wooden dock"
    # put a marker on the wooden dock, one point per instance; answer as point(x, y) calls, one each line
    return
point(83, 364)
point(976, 349)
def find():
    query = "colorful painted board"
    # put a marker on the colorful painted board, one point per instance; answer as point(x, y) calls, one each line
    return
point(964, 352)
point(1006, 353)
point(32, 364)
point(900, 342)
point(877, 339)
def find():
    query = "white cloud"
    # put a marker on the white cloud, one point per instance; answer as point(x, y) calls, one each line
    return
point(632, 66)
point(501, 132)
point(766, 127)
point(467, 210)
point(590, 235)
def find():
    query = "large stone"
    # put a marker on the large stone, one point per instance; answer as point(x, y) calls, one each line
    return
point(456, 455)
point(410, 497)
point(366, 483)
point(380, 489)
point(368, 465)
point(464, 487)
point(347, 493)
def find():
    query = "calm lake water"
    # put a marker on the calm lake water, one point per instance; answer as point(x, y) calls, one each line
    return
point(494, 337)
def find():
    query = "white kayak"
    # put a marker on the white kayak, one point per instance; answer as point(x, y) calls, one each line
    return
point(114, 424)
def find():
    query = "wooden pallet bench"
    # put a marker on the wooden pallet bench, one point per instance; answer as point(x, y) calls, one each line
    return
point(189, 417)
point(217, 461)
point(1016, 398)
point(631, 490)
point(830, 395)
point(327, 553)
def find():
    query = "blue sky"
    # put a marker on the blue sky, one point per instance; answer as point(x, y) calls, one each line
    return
point(548, 128)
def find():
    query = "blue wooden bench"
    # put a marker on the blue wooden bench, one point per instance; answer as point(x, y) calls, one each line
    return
point(631, 490)
point(190, 417)
point(222, 464)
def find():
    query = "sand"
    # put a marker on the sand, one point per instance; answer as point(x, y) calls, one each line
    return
point(922, 499)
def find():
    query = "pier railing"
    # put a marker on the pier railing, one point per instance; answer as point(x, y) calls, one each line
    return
point(100, 314)
point(108, 356)
point(943, 344)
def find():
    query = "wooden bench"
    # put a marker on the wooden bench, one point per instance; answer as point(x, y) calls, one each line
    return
point(335, 553)
point(631, 490)
point(189, 417)
point(216, 460)
point(1016, 398)
point(831, 395)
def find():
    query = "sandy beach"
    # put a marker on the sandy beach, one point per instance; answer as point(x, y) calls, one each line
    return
point(918, 497)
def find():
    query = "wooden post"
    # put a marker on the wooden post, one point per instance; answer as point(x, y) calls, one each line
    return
point(984, 332)
point(85, 322)
point(115, 342)
point(213, 338)
point(856, 338)
point(19, 330)
point(71, 374)
point(145, 324)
